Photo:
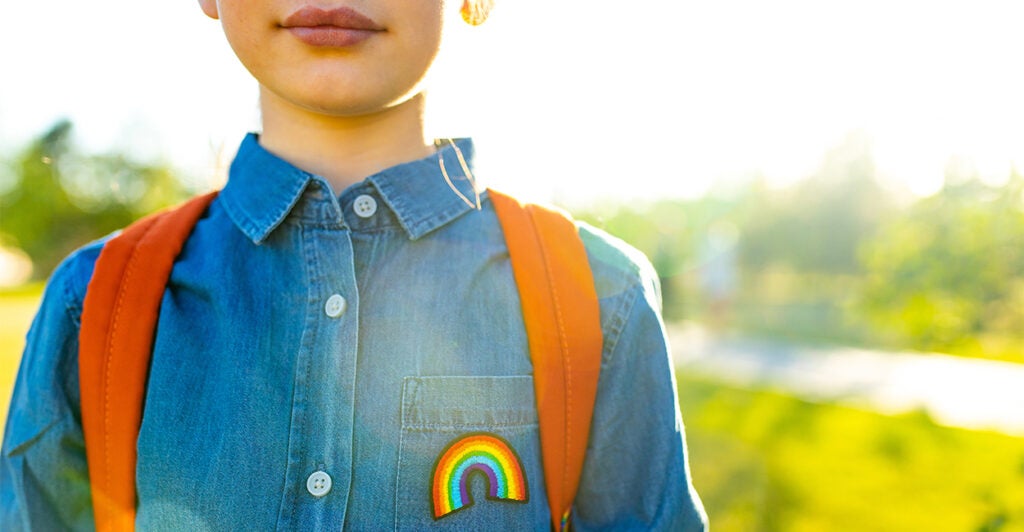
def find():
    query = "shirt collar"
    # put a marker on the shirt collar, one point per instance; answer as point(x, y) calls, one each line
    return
point(263, 189)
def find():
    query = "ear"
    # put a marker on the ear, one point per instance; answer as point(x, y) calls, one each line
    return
point(475, 12)
point(210, 8)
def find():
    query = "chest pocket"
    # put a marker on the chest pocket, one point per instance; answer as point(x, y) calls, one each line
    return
point(470, 455)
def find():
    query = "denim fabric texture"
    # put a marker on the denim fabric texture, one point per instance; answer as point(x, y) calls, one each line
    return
point(260, 378)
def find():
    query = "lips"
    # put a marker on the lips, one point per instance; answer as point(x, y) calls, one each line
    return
point(338, 27)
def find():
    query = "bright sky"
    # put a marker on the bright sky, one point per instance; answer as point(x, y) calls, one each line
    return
point(577, 99)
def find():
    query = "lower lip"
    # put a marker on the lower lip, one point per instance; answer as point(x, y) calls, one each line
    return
point(330, 36)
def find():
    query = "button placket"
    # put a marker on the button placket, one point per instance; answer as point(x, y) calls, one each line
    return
point(323, 408)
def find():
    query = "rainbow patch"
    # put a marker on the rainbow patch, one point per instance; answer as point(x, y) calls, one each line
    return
point(479, 452)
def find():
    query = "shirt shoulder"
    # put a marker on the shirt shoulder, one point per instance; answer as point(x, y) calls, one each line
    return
point(70, 279)
point(617, 489)
point(627, 287)
point(617, 266)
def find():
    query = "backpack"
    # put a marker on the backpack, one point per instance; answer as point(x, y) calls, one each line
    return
point(122, 303)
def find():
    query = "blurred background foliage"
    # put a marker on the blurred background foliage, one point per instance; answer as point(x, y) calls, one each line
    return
point(838, 258)
point(55, 198)
point(835, 258)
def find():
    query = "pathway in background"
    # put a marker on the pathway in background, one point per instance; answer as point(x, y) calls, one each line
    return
point(955, 391)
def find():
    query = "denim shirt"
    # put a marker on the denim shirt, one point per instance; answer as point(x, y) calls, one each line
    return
point(317, 353)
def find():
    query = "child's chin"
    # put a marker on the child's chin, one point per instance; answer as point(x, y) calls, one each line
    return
point(333, 104)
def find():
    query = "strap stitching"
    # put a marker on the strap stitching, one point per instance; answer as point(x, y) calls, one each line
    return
point(110, 354)
point(566, 362)
point(122, 291)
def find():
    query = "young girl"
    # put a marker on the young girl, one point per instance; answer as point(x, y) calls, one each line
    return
point(343, 311)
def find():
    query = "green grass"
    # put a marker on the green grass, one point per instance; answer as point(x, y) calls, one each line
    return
point(17, 307)
point(766, 461)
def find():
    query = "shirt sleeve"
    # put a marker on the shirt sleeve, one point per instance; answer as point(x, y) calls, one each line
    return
point(44, 483)
point(636, 475)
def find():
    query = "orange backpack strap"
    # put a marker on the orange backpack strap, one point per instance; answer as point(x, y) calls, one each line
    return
point(119, 318)
point(563, 324)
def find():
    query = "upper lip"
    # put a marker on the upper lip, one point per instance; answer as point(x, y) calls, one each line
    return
point(339, 17)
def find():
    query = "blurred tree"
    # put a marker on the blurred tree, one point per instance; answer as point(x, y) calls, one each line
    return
point(818, 225)
point(836, 258)
point(61, 199)
point(952, 266)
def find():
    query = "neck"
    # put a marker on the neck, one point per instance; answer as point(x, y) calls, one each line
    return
point(344, 150)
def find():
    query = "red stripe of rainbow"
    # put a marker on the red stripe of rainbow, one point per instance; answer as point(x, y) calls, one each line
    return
point(476, 452)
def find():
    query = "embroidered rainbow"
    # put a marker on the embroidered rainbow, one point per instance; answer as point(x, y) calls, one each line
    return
point(479, 452)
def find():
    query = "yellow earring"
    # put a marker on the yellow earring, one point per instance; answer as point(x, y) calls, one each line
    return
point(475, 12)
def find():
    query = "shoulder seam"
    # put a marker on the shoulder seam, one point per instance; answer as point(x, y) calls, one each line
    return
point(618, 320)
point(72, 302)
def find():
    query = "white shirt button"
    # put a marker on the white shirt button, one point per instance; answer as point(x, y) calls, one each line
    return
point(365, 206)
point(318, 484)
point(335, 306)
